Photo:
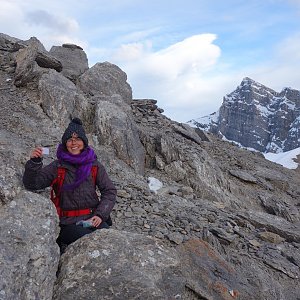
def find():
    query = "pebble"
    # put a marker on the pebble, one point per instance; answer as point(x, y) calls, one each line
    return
point(128, 214)
point(175, 237)
point(254, 243)
point(123, 194)
point(147, 226)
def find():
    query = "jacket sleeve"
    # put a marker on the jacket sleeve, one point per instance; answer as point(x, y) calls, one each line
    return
point(36, 176)
point(108, 193)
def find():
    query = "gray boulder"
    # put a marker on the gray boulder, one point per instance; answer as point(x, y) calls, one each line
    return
point(112, 264)
point(29, 254)
point(60, 99)
point(73, 59)
point(116, 128)
point(102, 266)
point(31, 62)
point(105, 79)
point(7, 42)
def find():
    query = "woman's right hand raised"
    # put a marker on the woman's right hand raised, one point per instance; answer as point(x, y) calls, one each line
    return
point(37, 152)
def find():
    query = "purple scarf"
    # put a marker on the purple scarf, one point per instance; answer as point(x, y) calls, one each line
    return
point(82, 161)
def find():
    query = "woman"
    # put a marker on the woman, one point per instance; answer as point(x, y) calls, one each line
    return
point(78, 199)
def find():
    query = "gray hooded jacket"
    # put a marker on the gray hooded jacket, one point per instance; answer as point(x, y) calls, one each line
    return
point(37, 177)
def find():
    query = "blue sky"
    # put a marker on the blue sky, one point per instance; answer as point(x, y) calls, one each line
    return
point(185, 54)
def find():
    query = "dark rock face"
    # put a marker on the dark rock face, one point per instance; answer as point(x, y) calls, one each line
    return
point(258, 117)
point(224, 224)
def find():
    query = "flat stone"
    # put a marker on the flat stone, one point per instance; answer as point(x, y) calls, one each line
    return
point(175, 237)
point(123, 194)
point(245, 176)
point(274, 259)
point(254, 243)
point(275, 224)
point(71, 46)
point(271, 237)
point(128, 214)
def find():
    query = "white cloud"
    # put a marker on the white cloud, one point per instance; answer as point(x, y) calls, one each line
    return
point(132, 53)
point(195, 54)
point(53, 22)
point(8, 10)
point(26, 21)
point(176, 76)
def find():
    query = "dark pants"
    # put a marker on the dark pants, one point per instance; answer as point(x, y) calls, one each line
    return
point(70, 233)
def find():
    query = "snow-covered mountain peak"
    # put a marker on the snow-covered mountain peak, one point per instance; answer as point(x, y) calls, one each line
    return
point(257, 117)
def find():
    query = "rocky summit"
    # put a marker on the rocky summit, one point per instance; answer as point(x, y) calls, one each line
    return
point(223, 222)
point(257, 117)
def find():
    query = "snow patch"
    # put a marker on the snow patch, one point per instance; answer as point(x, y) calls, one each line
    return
point(205, 122)
point(286, 159)
point(154, 184)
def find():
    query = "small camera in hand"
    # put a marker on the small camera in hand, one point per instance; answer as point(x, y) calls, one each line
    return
point(85, 224)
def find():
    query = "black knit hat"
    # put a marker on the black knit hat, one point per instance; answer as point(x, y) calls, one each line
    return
point(75, 126)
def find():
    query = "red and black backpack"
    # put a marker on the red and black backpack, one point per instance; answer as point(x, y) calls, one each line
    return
point(56, 186)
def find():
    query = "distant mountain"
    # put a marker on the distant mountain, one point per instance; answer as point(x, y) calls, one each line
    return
point(257, 117)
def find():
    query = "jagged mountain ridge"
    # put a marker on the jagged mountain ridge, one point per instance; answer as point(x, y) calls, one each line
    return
point(257, 117)
point(225, 224)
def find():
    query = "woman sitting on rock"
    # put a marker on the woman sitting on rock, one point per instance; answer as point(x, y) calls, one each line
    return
point(80, 211)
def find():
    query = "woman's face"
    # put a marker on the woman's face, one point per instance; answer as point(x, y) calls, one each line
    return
point(75, 145)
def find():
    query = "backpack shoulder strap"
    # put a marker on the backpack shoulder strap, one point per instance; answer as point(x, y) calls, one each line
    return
point(56, 186)
point(59, 180)
point(94, 172)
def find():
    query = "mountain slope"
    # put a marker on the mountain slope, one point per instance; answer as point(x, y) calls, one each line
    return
point(224, 224)
point(257, 117)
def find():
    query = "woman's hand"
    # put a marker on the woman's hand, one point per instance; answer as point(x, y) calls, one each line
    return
point(37, 152)
point(96, 221)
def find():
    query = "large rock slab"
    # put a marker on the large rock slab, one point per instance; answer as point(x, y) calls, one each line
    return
point(61, 99)
point(287, 230)
point(29, 254)
point(188, 132)
point(73, 59)
point(31, 62)
point(116, 128)
point(106, 79)
point(276, 259)
point(112, 264)
point(265, 284)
